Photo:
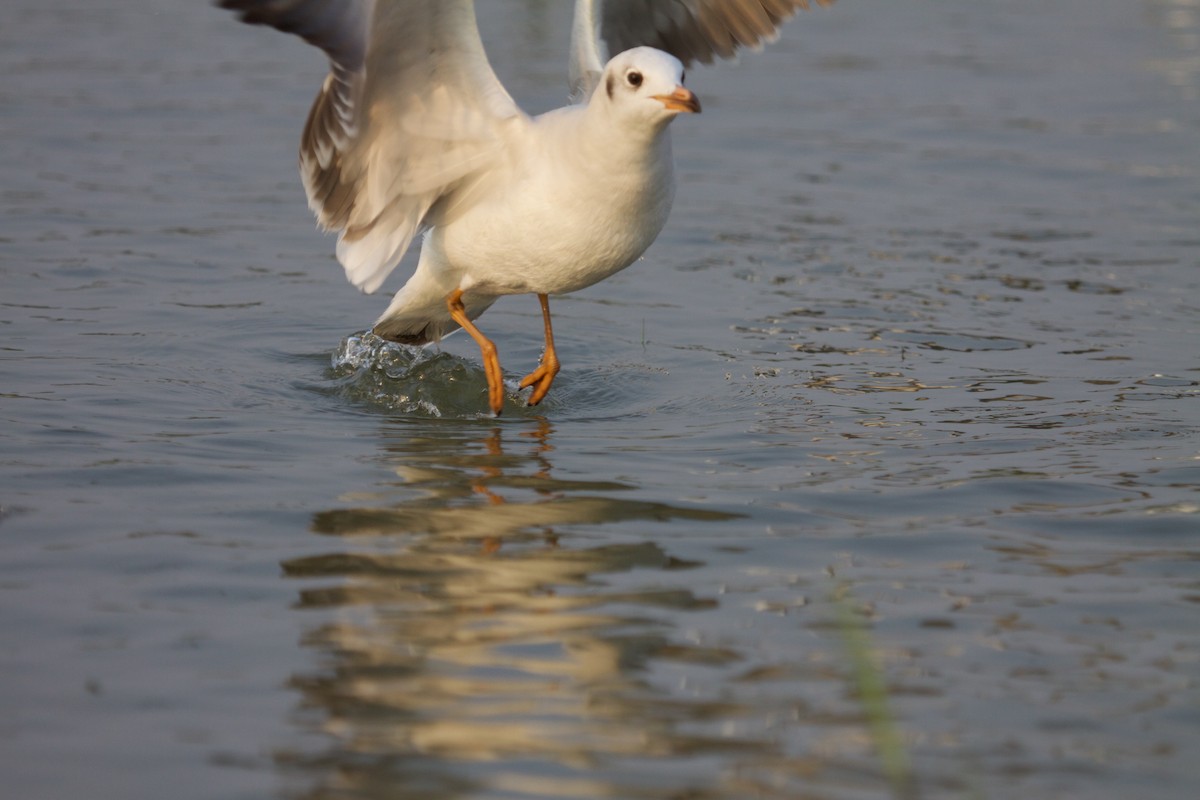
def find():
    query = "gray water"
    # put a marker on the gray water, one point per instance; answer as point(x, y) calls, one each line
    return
point(918, 349)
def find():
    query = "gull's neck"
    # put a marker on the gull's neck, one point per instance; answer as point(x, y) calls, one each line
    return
point(622, 141)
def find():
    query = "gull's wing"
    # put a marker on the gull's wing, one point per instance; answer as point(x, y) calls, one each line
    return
point(410, 114)
point(690, 30)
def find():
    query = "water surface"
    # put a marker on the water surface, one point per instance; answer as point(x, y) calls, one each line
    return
point(921, 335)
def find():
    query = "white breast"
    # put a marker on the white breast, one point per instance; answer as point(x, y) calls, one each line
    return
point(571, 211)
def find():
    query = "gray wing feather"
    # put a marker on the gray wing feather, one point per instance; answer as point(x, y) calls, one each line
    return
point(339, 27)
point(691, 30)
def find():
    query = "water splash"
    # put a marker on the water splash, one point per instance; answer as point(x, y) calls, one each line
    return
point(368, 371)
point(420, 381)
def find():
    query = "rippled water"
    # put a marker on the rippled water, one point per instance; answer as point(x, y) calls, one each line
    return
point(917, 352)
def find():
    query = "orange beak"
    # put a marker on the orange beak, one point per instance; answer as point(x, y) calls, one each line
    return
point(680, 100)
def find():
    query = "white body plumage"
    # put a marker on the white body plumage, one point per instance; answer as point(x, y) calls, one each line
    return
point(581, 193)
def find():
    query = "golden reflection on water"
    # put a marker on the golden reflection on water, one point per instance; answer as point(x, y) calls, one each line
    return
point(461, 630)
point(1179, 63)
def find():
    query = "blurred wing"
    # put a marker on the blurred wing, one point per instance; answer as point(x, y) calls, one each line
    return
point(690, 30)
point(410, 114)
point(339, 27)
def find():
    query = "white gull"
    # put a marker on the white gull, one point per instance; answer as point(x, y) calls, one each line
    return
point(412, 133)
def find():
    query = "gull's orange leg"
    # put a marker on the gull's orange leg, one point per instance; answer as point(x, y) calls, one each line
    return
point(543, 376)
point(491, 361)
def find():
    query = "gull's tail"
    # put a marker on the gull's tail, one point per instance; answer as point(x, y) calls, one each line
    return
point(418, 313)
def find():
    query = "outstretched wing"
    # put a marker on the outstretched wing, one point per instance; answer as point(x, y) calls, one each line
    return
point(690, 30)
point(410, 113)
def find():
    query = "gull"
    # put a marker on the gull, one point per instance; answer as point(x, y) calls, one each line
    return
point(413, 134)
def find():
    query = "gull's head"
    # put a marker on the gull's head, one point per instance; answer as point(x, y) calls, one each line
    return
point(647, 84)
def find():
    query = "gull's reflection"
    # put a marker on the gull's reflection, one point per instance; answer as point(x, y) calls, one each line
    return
point(470, 646)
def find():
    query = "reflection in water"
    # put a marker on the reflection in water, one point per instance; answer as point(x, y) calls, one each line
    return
point(464, 631)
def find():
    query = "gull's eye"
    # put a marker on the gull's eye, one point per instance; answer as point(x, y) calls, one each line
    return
point(633, 78)
point(682, 78)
